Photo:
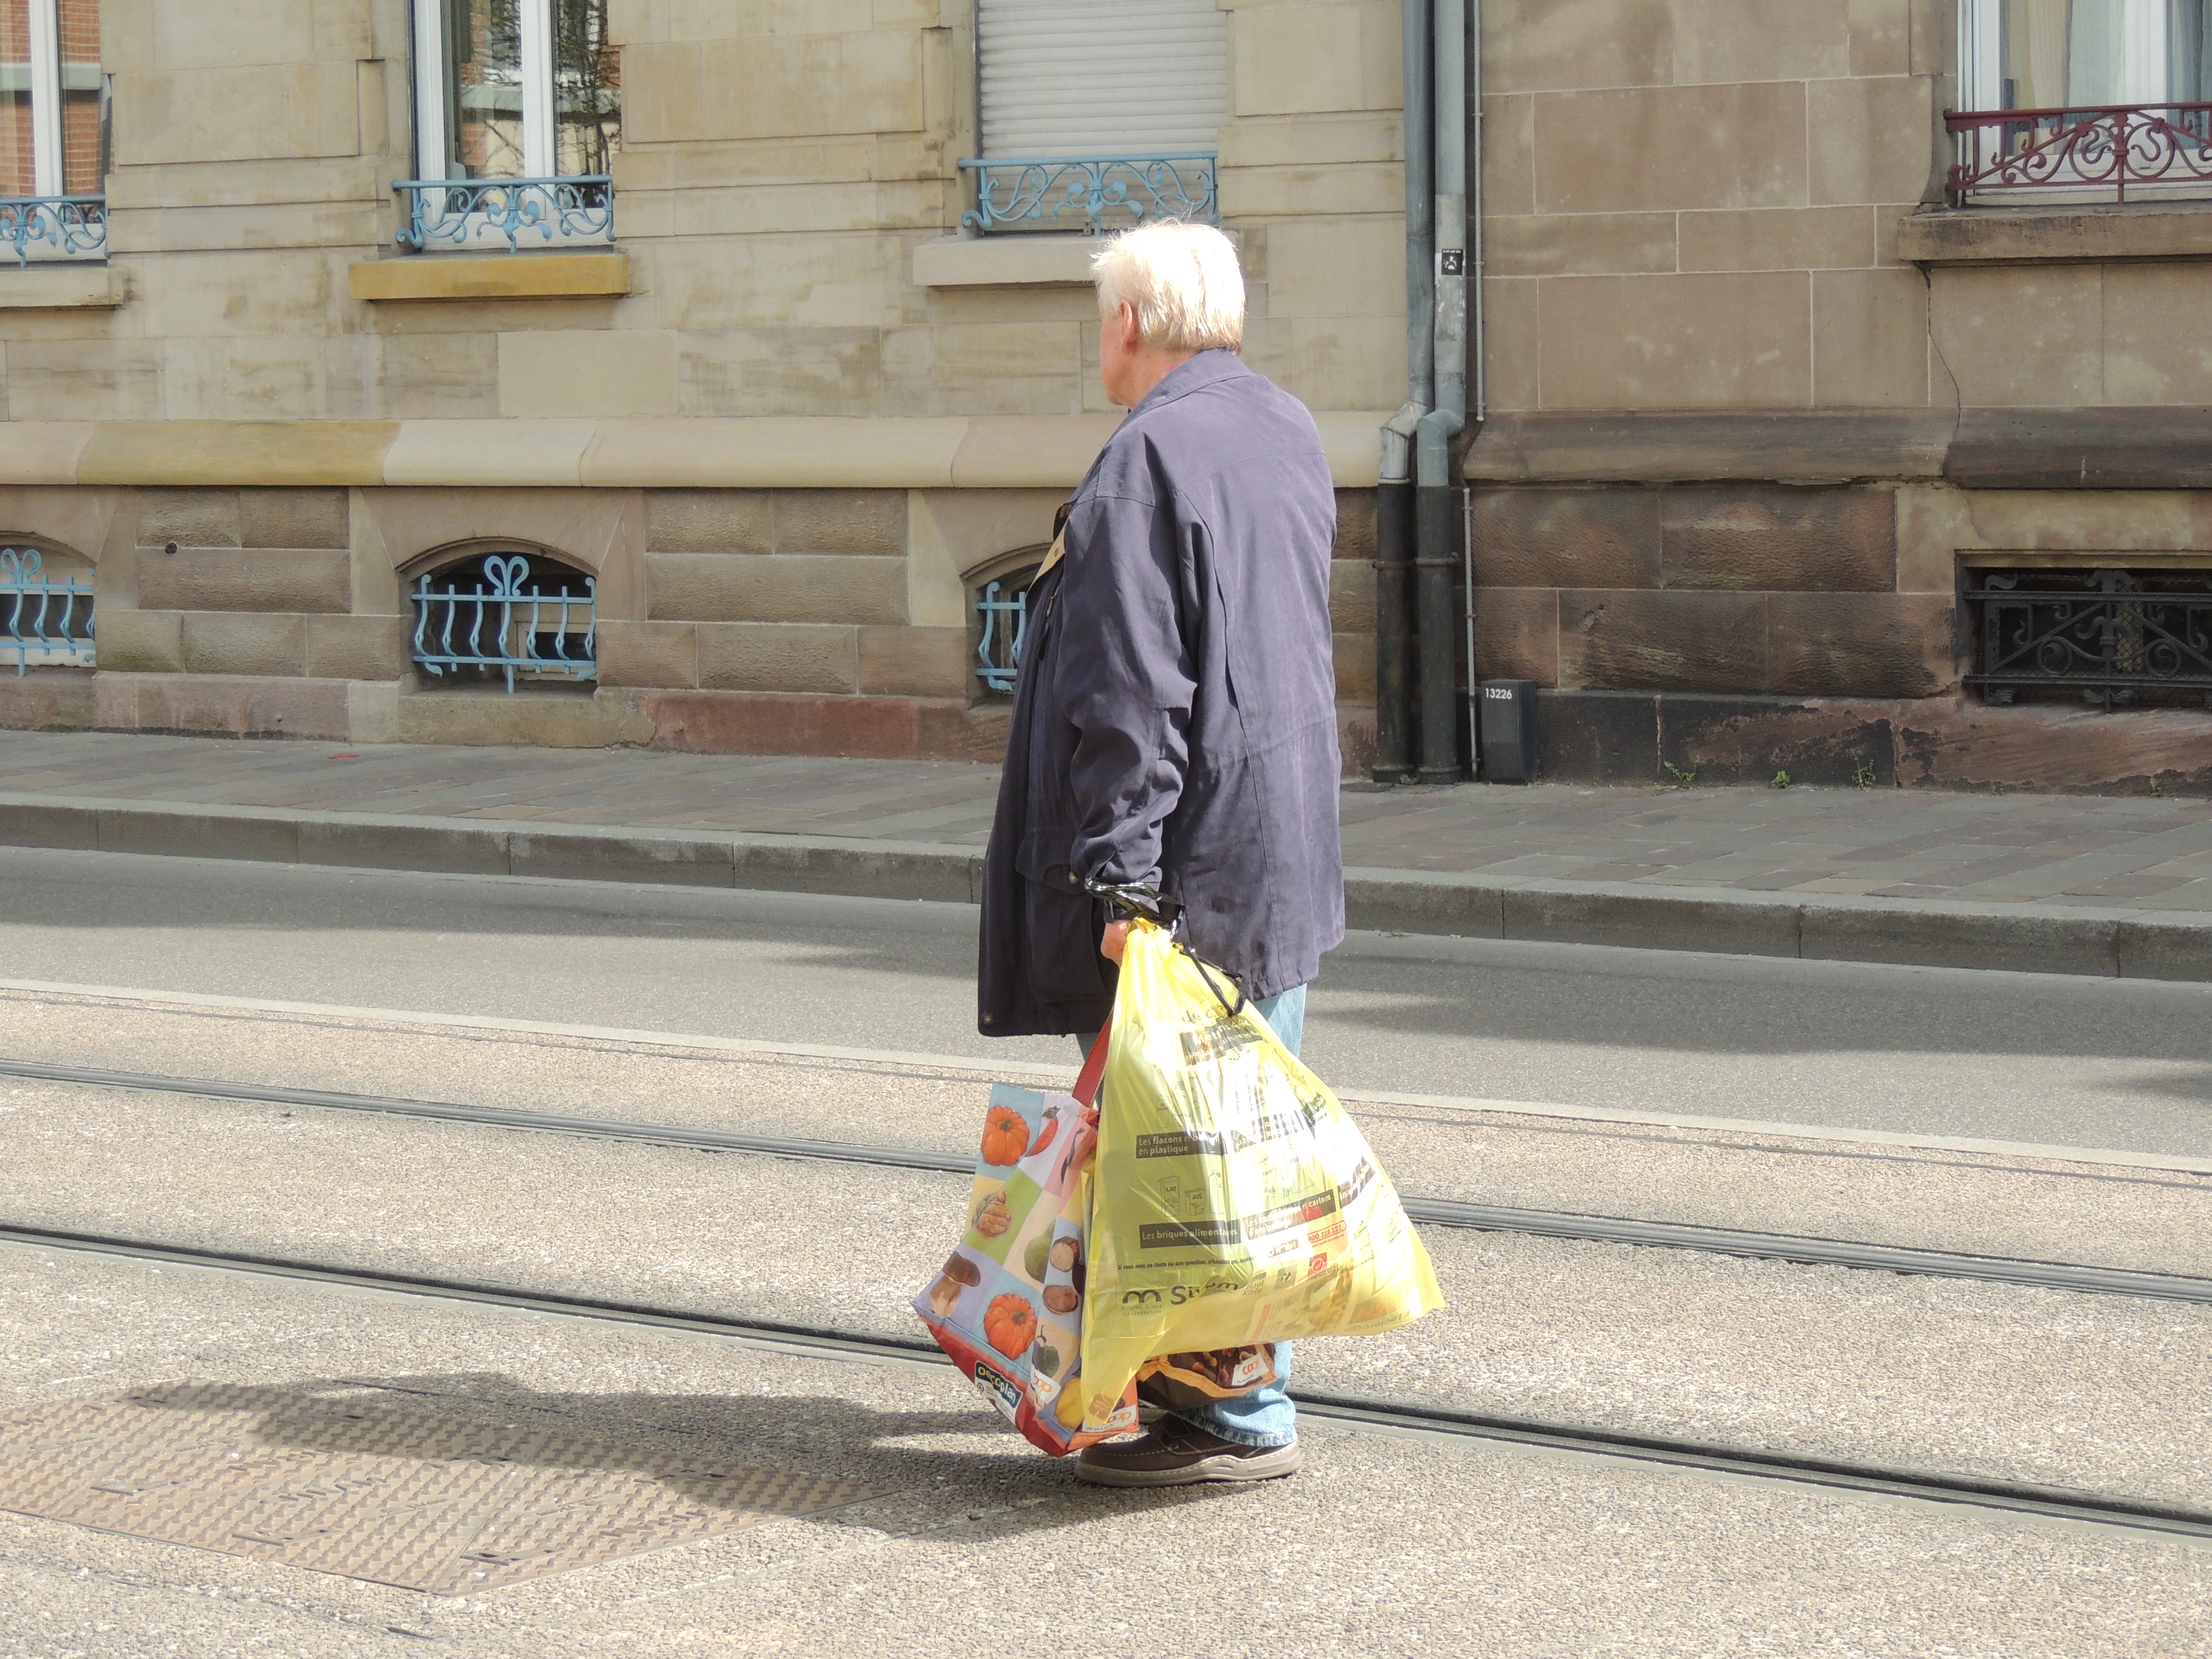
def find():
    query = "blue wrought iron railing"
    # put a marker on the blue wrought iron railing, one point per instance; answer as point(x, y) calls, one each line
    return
point(498, 627)
point(470, 212)
point(1006, 622)
point(1010, 194)
point(42, 228)
point(42, 620)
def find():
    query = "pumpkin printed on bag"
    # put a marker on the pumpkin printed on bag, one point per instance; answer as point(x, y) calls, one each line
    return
point(1005, 1136)
point(1010, 1324)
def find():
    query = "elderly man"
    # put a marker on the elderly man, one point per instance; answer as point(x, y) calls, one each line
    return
point(1175, 723)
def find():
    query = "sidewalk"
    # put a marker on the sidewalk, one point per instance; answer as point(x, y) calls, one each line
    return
point(2040, 883)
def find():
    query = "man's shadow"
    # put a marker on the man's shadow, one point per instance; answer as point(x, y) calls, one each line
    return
point(695, 1446)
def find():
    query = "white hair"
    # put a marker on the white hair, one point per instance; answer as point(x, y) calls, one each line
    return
point(1181, 280)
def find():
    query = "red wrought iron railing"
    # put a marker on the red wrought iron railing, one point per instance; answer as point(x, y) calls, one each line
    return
point(2110, 148)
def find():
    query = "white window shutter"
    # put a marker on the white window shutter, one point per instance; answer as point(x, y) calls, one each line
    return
point(1102, 77)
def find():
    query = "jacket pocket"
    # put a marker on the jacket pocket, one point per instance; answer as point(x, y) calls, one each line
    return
point(1062, 921)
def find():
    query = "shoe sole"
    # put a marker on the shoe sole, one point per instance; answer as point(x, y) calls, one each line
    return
point(1221, 1470)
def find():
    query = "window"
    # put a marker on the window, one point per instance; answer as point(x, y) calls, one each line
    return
point(46, 610)
point(1092, 112)
point(518, 113)
point(1002, 607)
point(53, 131)
point(2110, 636)
point(505, 617)
point(2110, 96)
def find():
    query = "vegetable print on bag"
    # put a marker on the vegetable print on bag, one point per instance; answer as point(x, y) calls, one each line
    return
point(1007, 1305)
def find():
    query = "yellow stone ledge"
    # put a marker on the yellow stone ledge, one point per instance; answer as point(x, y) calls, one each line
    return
point(493, 276)
point(61, 286)
point(797, 452)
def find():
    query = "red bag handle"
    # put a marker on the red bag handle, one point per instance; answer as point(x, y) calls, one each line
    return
point(1094, 1067)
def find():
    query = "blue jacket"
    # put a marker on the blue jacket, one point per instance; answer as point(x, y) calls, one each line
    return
point(1175, 713)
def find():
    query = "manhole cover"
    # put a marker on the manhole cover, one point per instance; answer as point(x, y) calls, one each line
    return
point(395, 1496)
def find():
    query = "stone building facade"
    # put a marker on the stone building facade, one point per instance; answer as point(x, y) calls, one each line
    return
point(1770, 399)
point(787, 421)
point(1767, 399)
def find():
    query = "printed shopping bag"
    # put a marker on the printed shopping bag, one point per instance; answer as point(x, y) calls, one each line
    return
point(1007, 1306)
point(1234, 1202)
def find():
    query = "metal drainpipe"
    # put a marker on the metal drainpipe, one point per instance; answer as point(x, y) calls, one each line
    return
point(1434, 432)
point(1394, 497)
point(1432, 493)
point(1476, 347)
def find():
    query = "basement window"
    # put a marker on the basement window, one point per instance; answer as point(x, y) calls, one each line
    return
point(2111, 635)
point(505, 617)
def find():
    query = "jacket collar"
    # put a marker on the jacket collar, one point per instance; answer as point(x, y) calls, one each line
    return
point(1207, 368)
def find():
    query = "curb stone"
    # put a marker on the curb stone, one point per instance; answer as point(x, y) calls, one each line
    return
point(2106, 942)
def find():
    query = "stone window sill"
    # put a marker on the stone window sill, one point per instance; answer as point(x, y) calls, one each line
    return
point(61, 286)
point(491, 276)
point(2020, 235)
point(1011, 261)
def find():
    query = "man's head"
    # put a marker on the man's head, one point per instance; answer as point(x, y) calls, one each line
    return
point(1166, 292)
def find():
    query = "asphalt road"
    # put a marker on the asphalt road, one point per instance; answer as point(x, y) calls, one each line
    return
point(2039, 1059)
point(965, 1540)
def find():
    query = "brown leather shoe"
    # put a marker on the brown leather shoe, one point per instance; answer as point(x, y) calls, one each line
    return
point(1174, 1454)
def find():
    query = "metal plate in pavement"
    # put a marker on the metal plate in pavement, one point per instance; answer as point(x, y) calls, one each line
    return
point(396, 1495)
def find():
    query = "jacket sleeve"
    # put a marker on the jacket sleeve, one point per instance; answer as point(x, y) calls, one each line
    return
point(1124, 680)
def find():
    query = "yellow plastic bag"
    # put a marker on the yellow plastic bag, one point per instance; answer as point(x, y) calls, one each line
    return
point(1233, 1202)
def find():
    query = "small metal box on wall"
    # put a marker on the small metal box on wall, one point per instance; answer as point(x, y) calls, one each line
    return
point(1508, 723)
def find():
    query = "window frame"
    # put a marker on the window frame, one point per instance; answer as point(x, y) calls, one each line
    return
point(53, 225)
point(537, 206)
point(44, 17)
point(2080, 155)
point(1981, 51)
point(1981, 54)
point(434, 71)
point(1075, 189)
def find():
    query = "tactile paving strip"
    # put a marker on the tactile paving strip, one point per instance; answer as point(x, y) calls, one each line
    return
point(396, 1496)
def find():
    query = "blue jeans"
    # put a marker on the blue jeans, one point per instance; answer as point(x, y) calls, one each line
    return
point(1266, 1416)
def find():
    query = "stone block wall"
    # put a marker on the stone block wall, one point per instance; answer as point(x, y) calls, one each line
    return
point(779, 165)
point(1741, 589)
point(758, 621)
point(1695, 206)
point(1729, 633)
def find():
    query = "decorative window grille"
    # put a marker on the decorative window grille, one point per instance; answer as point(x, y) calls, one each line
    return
point(2083, 100)
point(2111, 637)
point(518, 117)
point(45, 620)
point(53, 131)
point(1095, 114)
point(488, 619)
point(1002, 606)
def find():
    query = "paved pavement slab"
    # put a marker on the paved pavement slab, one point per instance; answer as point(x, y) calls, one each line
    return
point(2037, 882)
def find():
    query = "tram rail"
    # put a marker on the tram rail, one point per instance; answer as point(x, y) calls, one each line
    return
point(1800, 1249)
point(1399, 1419)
